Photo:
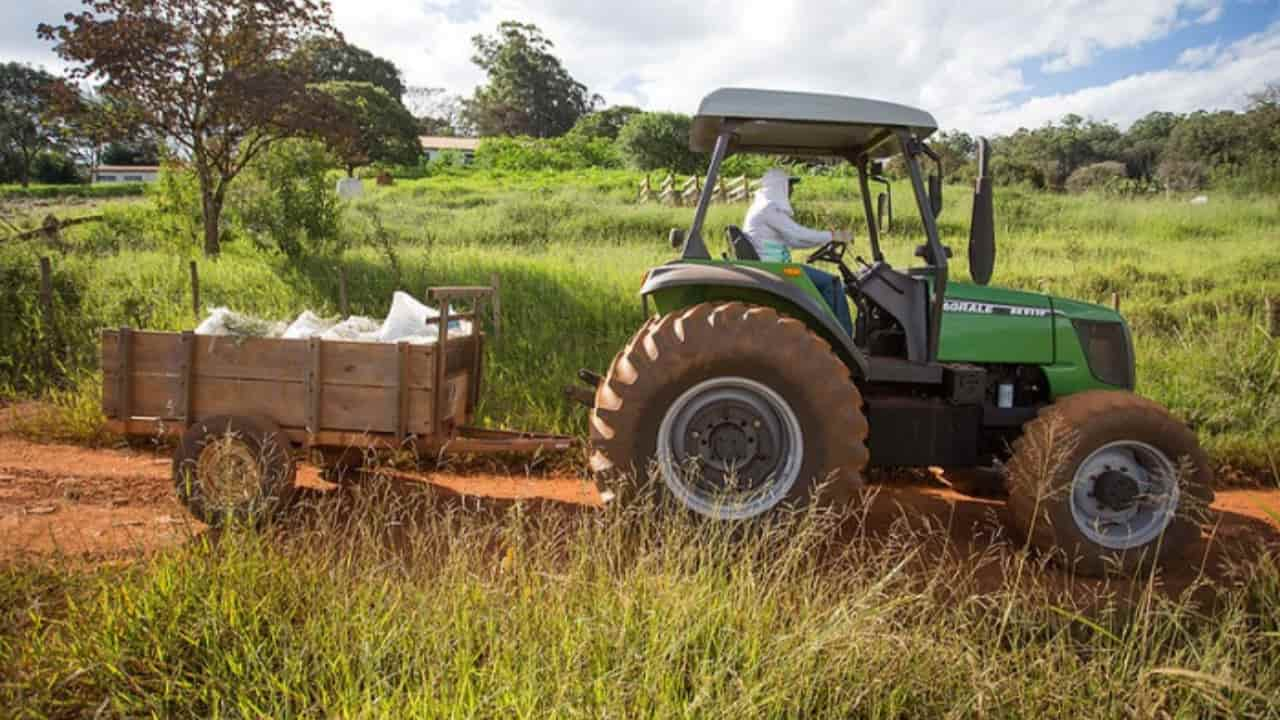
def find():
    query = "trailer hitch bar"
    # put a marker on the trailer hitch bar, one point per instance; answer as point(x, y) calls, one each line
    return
point(585, 396)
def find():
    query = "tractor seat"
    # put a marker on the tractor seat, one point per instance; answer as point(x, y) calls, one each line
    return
point(741, 245)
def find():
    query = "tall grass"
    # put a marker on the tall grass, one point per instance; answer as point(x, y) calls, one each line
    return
point(571, 249)
point(392, 601)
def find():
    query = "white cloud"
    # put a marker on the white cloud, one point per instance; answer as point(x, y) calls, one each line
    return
point(1219, 78)
point(959, 60)
point(1198, 56)
point(962, 61)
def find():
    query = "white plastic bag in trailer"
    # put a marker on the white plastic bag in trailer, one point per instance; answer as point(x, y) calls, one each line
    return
point(411, 321)
point(307, 325)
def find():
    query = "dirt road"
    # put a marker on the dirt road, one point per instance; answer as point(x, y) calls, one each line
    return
point(99, 504)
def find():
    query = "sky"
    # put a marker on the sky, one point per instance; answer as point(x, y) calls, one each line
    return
point(983, 66)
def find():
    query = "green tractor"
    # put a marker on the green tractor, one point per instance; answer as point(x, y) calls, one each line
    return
point(743, 393)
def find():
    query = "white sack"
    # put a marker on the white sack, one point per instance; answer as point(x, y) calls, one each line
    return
point(307, 325)
point(222, 321)
point(355, 328)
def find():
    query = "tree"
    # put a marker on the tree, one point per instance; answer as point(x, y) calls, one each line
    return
point(957, 149)
point(437, 111)
point(605, 123)
point(374, 127)
point(331, 59)
point(1212, 139)
point(529, 91)
point(27, 126)
point(1145, 142)
point(218, 78)
point(659, 141)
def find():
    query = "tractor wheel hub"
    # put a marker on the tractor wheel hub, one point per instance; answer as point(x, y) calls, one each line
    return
point(1115, 490)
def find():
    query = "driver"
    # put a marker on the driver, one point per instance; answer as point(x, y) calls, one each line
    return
point(770, 227)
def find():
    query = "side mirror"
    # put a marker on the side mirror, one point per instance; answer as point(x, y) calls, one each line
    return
point(935, 194)
point(877, 167)
point(676, 238)
point(884, 213)
point(982, 227)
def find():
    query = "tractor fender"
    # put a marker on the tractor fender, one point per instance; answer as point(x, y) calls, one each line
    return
point(793, 300)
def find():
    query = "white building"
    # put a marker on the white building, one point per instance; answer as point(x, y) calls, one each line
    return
point(433, 145)
point(125, 173)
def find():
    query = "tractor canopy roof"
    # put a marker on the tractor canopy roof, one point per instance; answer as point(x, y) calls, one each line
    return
point(813, 124)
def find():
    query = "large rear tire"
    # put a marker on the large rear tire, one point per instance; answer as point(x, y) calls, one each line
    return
point(1110, 482)
point(735, 409)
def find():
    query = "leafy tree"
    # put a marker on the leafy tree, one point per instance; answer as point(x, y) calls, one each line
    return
point(27, 125)
point(529, 92)
point(606, 123)
point(1211, 138)
point(131, 152)
point(1145, 142)
point(373, 127)
point(331, 59)
point(287, 201)
point(659, 141)
point(437, 111)
point(217, 78)
point(956, 148)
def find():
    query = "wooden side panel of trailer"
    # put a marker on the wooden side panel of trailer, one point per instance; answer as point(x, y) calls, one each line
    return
point(310, 387)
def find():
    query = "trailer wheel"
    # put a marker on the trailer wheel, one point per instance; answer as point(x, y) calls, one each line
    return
point(234, 469)
point(342, 467)
point(1110, 482)
point(735, 408)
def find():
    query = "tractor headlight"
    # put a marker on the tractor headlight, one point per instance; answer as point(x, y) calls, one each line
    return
point(1109, 351)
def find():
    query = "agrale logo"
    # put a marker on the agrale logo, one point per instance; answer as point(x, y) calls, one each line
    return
point(980, 308)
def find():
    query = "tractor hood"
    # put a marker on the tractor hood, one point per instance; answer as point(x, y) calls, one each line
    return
point(982, 324)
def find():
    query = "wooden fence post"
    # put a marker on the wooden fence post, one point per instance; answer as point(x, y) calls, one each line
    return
point(195, 292)
point(46, 305)
point(1273, 317)
point(495, 282)
point(342, 291)
point(46, 291)
point(1115, 301)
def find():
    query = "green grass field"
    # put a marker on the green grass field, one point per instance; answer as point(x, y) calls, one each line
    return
point(386, 603)
point(390, 603)
point(571, 249)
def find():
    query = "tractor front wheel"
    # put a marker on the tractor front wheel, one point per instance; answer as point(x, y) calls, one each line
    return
point(1109, 481)
point(735, 409)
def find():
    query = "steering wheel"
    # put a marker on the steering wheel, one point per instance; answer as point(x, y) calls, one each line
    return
point(832, 252)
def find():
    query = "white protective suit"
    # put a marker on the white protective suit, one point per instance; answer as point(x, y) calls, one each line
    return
point(770, 224)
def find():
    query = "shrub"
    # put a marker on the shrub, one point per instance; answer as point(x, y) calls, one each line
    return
point(659, 141)
point(1095, 176)
point(567, 152)
point(287, 201)
point(1181, 175)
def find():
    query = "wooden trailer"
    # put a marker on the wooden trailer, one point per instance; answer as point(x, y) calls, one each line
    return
point(245, 408)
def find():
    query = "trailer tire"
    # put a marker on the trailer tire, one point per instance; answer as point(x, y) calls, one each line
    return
point(233, 469)
point(1109, 482)
point(684, 382)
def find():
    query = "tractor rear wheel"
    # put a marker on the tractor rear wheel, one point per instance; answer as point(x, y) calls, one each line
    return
point(735, 409)
point(1110, 481)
